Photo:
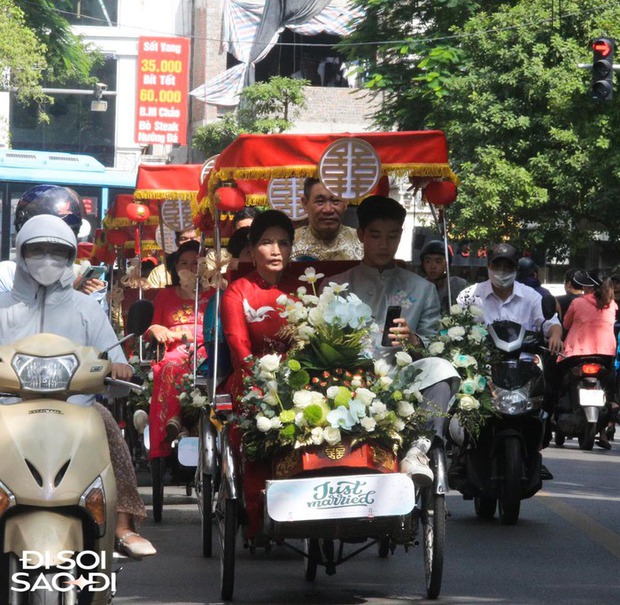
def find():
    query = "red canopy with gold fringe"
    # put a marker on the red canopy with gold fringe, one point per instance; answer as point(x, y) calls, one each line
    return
point(253, 159)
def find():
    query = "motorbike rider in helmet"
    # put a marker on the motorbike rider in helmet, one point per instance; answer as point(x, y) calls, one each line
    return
point(435, 270)
point(57, 201)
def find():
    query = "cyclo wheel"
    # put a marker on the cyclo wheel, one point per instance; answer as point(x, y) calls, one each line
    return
point(227, 525)
point(433, 539)
point(206, 518)
point(510, 487)
point(158, 470)
point(312, 558)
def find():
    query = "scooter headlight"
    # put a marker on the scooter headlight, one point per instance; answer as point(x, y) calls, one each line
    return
point(93, 500)
point(44, 374)
point(515, 401)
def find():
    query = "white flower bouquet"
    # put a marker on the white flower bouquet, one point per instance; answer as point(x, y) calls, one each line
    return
point(461, 340)
point(327, 389)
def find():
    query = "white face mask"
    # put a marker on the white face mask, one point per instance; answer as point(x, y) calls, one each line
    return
point(46, 270)
point(502, 279)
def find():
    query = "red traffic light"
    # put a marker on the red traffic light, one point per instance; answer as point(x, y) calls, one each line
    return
point(603, 47)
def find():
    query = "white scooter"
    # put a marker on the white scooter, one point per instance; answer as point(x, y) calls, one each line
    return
point(57, 488)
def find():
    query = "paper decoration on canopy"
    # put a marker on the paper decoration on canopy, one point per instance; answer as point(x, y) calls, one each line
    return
point(177, 214)
point(207, 167)
point(168, 243)
point(350, 168)
point(252, 160)
point(285, 195)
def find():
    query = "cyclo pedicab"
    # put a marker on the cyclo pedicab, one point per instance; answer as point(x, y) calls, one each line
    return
point(136, 226)
point(330, 488)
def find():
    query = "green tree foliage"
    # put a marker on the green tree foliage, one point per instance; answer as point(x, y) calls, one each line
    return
point(264, 108)
point(535, 153)
point(68, 58)
point(22, 56)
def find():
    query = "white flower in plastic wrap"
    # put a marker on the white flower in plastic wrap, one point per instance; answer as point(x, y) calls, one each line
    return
point(436, 348)
point(366, 396)
point(316, 435)
point(302, 399)
point(269, 363)
point(456, 333)
point(263, 424)
point(368, 424)
point(331, 435)
point(468, 403)
point(403, 359)
point(405, 409)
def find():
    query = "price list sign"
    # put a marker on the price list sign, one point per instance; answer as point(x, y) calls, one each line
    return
point(162, 90)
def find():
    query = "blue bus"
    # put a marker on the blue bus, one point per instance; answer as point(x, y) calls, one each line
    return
point(96, 185)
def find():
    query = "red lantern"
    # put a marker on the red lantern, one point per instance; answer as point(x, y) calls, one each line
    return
point(229, 199)
point(117, 237)
point(440, 193)
point(137, 212)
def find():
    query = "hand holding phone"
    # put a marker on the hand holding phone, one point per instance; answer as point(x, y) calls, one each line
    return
point(392, 313)
point(91, 273)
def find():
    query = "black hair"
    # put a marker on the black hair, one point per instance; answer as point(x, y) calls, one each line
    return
point(238, 241)
point(603, 288)
point(308, 184)
point(173, 259)
point(270, 218)
point(569, 276)
point(380, 207)
point(246, 212)
point(178, 234)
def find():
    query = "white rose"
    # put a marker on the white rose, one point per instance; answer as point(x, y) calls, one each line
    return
point(385, 381)
point(331, 435)
point(316, 397)
point(476, 311)
point(456, 333)
point(436, 348)
point(300, 421)
point(302, 399)
point(315, 316)
point(305, 332)
point(467, 403)
point(378, 407)
point(398, 425)
point(276, 423)
point(269, 363)
point(356, 382)
point(405, 409)
point(316, 435)
point(477, 334)
point(382, 367)
point(365, 396)
point(403, 359)
point(282, 300)
point(151, 375)
point(263, 424)
point(368, 424)
point(332, 392)
point(456, 310)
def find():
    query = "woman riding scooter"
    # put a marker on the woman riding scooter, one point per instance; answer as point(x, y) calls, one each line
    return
point(43, 300)
point(590, 325)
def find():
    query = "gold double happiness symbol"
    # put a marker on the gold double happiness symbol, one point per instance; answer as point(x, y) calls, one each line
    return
point(335, 452)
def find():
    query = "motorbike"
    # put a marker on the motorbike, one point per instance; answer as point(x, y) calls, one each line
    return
point(57, 487)
point(582, 410)
point(502, 465)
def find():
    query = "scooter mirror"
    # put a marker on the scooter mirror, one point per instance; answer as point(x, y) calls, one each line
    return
point(139, 317)
point(548, 306)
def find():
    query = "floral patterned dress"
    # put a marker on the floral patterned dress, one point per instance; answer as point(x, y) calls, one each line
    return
point(176, 314)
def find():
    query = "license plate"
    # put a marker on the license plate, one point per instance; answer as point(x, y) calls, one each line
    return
point(592, 397)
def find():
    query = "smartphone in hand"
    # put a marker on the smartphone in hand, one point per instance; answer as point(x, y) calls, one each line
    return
point(92, 273)
point(393, 313)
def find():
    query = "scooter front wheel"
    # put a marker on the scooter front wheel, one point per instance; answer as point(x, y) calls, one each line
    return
point(433, 539)
point(510, 487)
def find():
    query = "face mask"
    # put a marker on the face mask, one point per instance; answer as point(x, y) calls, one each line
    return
point(46, 270)
point(502, 279)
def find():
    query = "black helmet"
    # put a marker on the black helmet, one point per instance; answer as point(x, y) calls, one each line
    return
point(526, 267)
point(435, 246)
point(49, 199)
